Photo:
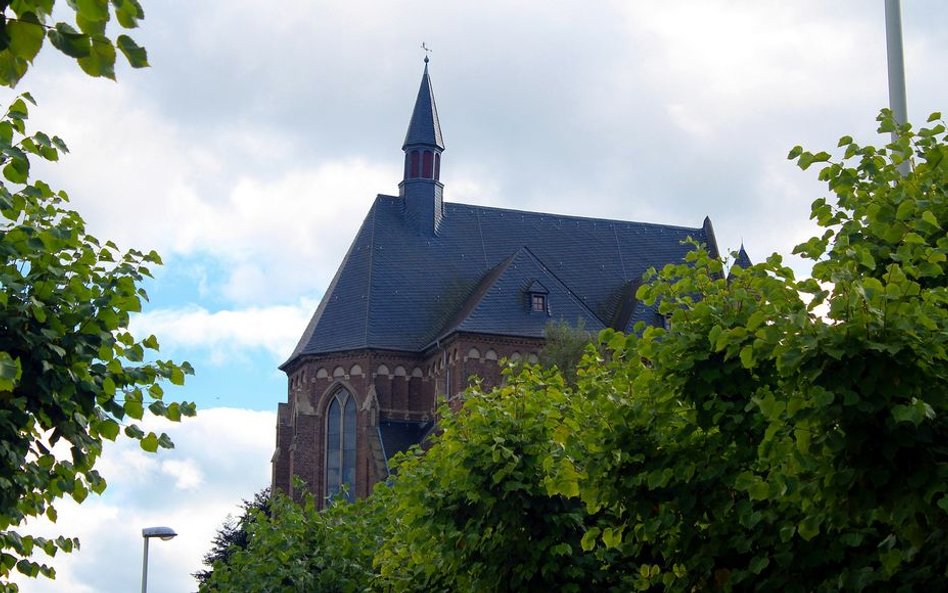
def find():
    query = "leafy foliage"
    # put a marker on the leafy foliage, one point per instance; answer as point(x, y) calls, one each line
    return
point(297, 548)
point(71, 375)
point(233, 534)
point(25, 25)
point(563, 347)
point(789, 434)
point(480, 511)
point(779, 434)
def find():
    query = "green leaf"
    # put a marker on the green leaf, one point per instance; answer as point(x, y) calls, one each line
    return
point(69, 41)
point(890, 559)
point(10, 372)
point(943, 503)
point(26, 36)
point(136, 55)
point(109, 429)
point(134, 409)
point(12, 68)
point(94, 10)
point(808, 158)
point(612, 537)
point(928, 217)
point(915, 413)
point(588, 542)
point(17, 170)
point(128, 12)
point(150, 442)
point(173, 412)
point(758, 564)
point(101, 58)
point(91, 27)
point(809, 527)
point(747, 356)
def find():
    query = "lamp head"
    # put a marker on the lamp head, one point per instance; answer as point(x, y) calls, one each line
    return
point(164, 533)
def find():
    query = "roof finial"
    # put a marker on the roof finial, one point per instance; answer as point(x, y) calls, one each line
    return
point(427, 51)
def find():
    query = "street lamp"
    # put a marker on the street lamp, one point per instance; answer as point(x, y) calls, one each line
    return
point(164, 533)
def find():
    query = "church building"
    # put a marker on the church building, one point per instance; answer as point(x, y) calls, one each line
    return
point(432, 294)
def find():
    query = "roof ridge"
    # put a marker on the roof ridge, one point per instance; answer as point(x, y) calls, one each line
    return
point(573, 216)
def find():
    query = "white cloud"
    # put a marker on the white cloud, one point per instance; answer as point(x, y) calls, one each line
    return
point(226, 332)
point(220, 457)
point(236, 194)
point(186, 473)
point(739, 54)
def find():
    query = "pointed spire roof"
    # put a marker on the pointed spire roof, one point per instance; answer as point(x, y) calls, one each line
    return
point(424, 127)
point(743, 260)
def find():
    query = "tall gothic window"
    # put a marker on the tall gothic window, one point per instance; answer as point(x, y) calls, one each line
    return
point(341, 444)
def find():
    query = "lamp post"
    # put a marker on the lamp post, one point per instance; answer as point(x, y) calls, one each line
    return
point(164, 533)
point(896, 68)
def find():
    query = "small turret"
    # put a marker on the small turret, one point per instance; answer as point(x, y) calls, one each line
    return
point(421, 188)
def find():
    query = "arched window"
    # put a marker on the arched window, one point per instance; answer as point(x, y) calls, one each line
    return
point(415, 158)
point(341, 444)
point(437, 166)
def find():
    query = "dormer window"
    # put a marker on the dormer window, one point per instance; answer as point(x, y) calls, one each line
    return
point(538, 298)
point(538, 302)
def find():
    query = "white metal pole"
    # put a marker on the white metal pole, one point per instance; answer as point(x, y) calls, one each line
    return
point(145, 567)
point(896, 62)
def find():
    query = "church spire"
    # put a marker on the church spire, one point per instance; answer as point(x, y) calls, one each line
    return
point(424, 130)
point(421, 187)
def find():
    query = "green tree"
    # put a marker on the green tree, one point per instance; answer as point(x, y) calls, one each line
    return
point(71, 375)
point(25, 25)
point(233, 534)
point(296, 548)
point(788, 434)
point(564, 346)
point(483, 509)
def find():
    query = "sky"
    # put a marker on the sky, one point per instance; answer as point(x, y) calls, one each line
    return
point(251, 150)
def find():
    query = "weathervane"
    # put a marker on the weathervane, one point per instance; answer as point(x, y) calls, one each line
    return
point(427, 51)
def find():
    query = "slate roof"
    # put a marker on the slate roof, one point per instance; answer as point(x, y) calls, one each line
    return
point(398, 289)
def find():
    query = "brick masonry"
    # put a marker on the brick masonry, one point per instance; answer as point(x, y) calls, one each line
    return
point(387, 386)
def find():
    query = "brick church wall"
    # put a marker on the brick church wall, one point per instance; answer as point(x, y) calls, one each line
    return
point(387, 386)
